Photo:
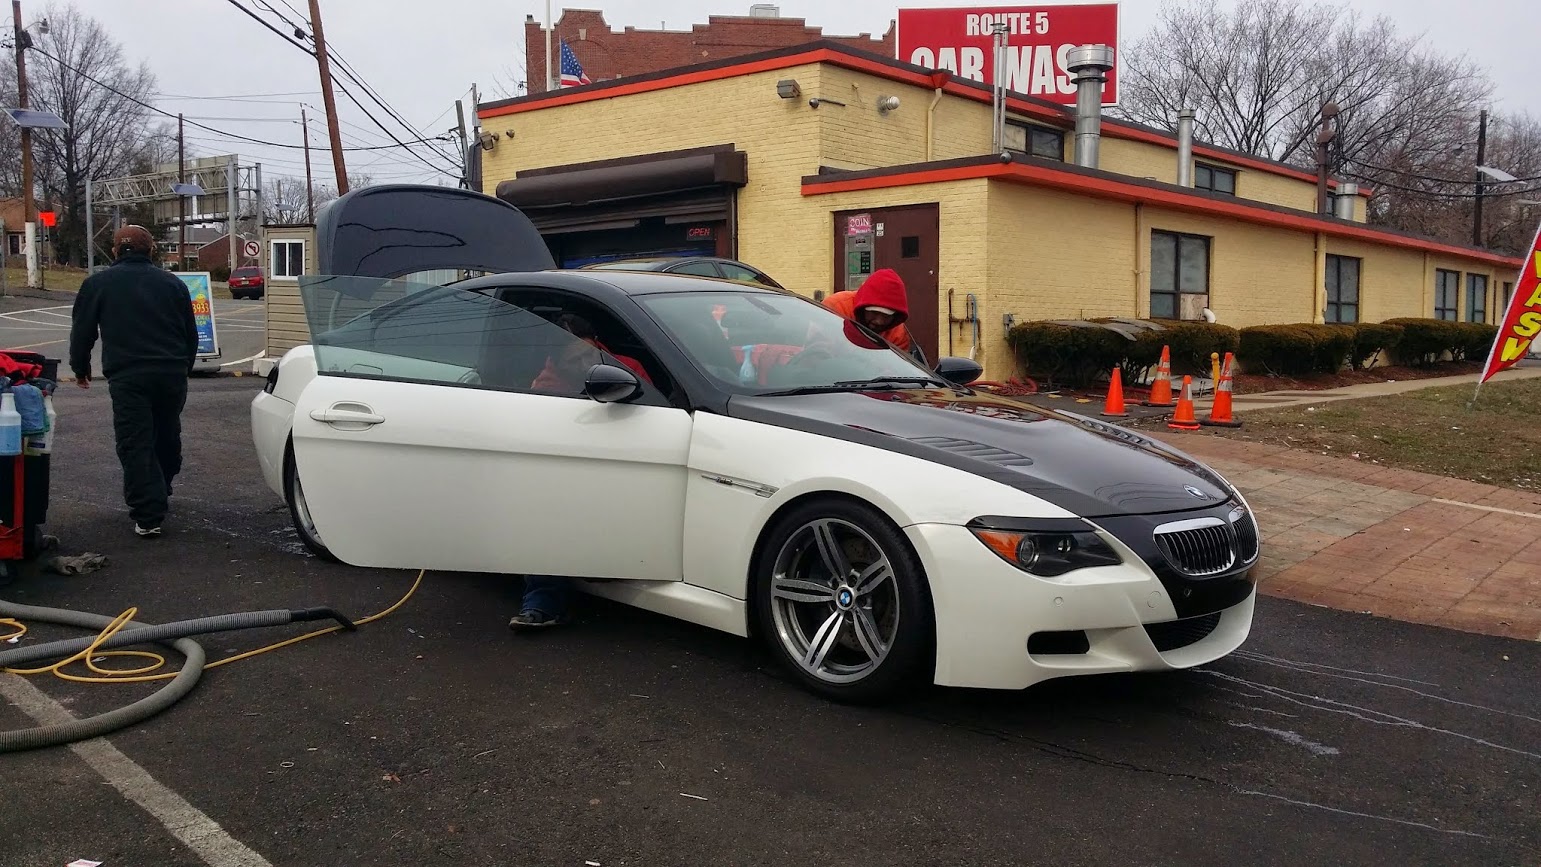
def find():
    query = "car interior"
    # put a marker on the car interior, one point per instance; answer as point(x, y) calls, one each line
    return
point(516, 366)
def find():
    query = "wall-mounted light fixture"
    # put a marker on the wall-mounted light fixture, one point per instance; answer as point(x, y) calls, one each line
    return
point(887, 104)
point(487, 140)
point(787, 88)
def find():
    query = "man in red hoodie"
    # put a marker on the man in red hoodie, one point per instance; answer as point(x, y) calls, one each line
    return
point(882, 305)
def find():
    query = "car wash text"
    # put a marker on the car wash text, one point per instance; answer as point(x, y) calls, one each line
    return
point(1038, 43)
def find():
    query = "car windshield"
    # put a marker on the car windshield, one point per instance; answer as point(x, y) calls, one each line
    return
point(245, 272)
point(768, 343)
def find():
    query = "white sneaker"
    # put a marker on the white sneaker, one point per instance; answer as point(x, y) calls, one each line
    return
point(147, 532)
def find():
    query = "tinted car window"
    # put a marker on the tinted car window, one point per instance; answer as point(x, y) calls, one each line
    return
point(744, 275)
point(391, 329)
point(698, 269)
point(246, 272)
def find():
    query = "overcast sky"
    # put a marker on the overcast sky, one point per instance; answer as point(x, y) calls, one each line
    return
point(422, 56)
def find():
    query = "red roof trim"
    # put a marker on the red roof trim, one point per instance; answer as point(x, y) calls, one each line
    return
point(871, 64)
point(1123, 191)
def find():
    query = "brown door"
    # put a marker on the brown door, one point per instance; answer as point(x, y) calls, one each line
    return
point(906, 240)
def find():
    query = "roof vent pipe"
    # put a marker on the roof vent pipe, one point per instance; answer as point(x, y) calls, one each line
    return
point(1185, 147)
point(1345, 201)
point(1088, 66)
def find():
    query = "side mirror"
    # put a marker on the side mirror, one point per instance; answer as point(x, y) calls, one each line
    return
point(607, 383)
point(958, 371)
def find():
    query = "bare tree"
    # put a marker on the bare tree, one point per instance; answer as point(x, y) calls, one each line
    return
point(284, 199)
point(1259, 76)
point(106, 132)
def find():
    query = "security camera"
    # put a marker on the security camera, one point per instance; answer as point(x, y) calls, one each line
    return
point(814, 102)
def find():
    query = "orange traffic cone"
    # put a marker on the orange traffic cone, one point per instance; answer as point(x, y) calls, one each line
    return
point(1114, 408)
point(1221, 415)
point(1183, 419)
point(1161, 388)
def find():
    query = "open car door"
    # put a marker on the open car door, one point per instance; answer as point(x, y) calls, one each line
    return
point(451, 430)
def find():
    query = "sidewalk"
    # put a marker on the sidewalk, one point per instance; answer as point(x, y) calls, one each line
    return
point(1278, 399)
point(1410, 546)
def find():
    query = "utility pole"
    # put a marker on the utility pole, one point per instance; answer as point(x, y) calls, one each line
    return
point(550, 85)
point(324, 63)
point(310, 188)
point(460, 117)
point(181, 198)
point(1476, 221)
point(29, 207)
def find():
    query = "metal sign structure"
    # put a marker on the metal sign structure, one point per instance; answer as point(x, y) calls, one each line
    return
point(231, 194)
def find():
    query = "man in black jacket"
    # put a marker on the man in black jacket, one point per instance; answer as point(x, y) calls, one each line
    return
point(149, 344)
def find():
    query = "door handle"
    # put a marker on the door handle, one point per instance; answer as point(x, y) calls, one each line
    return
point(347, 414)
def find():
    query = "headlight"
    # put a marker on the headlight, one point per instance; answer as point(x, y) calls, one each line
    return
point(1048, 551)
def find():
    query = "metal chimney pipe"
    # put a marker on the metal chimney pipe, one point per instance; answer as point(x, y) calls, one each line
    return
point(1088, 65)
point(1345, 202)
point(1185, 147)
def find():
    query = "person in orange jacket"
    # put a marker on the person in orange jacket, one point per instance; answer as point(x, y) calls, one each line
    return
point(880, 304)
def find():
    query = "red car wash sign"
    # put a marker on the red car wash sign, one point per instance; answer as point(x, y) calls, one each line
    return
point(1038, 41)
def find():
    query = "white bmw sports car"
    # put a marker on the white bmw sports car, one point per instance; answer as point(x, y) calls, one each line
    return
point(734, 456)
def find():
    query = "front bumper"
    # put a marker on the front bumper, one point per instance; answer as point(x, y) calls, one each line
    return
point(988, 611)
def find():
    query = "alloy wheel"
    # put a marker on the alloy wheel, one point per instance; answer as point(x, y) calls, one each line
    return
point(834, 600)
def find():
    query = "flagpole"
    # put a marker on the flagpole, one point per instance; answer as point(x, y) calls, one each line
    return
point(549, 85)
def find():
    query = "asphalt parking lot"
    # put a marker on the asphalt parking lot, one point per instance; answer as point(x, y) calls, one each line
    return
point(43, 325)
point(435, 736)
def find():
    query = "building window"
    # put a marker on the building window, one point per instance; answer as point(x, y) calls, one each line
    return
point(288, 260)
point(1342, 289)
point(1447, 294)
point(1034, 140)
point(1503, 308)
point(1179, 265)
point(1214, 179)
point(1476, 297)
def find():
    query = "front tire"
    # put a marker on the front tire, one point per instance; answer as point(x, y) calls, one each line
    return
point(299, 512)
point(843, 602)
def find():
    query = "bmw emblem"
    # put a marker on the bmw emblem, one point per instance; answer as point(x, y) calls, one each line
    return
point(1196, 492)
point(844, 598)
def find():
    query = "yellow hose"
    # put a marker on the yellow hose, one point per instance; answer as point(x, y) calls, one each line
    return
point(142, 674)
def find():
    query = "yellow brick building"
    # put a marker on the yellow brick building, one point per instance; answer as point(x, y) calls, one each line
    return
point(818, 164)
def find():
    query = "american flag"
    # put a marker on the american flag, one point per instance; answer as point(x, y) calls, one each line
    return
point(572, 71)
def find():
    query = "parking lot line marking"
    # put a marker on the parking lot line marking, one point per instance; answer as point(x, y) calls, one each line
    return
point(243, 360)
point(182, 820)
point(1487, 508)
point(35, 310)
point(37, 345)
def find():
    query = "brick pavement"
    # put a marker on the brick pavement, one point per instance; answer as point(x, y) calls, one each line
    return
point(1358, 536)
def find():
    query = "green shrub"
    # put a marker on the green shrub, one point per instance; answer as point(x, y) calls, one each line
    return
point(1371, 340)
point(1277, 350)
point(1067, 354)
point(1476, 341)
point(1425, 341)
point(1192, 343)
point(1079, 355)
point(1296, 350)
point(1331, 347)
point(219, 273)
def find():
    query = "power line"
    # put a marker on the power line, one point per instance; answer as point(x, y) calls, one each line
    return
point(1436, 194)
point(347, 72)
point(215, 130)
point(1433, 180)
